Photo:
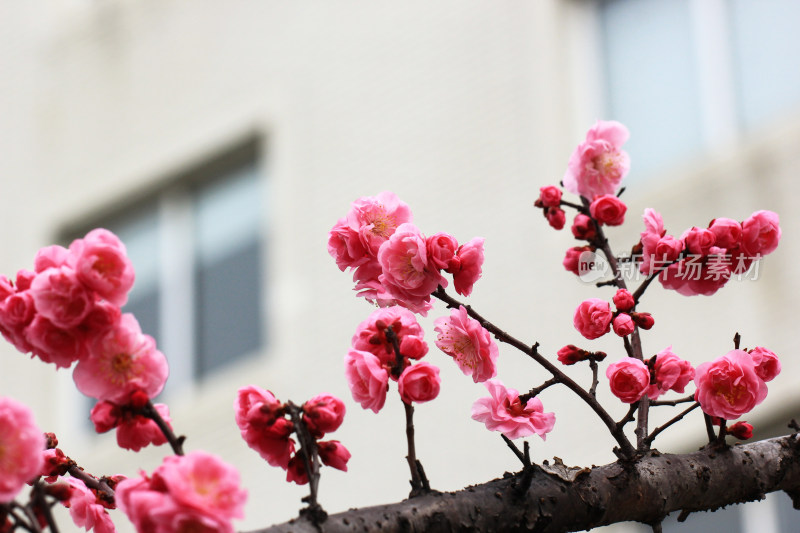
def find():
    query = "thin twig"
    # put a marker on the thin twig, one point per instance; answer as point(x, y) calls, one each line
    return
point(595, 381)
point(418, 482)
point(516, 451)
point(628, 417)
point(678, 417)
point(175, 442)
point(523, 398)
point(709, 428)
point(91, 482)
point(310, 455)
point(673, 403)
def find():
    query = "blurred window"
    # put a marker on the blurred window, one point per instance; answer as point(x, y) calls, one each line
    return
point(197, 246)
point(688, 75)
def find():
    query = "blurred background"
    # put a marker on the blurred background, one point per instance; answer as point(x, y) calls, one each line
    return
point(223, 140)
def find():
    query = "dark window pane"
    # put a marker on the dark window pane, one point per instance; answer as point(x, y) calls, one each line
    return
point(228, 310)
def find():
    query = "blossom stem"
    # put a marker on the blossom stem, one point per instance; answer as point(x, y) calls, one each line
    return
point(650, 438)
point(516, 451)
point(536, 390)
point(391, 336)
point(626, 448)
point(91, 482)
point(673, 403)
point(18, 520)
point(176, 443)
point(595, 381)
point(419, 483)
point(628, 417)
point(40, 501)
point(709, 428)
point(308, 452)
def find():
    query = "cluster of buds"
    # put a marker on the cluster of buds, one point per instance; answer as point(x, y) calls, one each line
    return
point(267, 426)
point(383, 348)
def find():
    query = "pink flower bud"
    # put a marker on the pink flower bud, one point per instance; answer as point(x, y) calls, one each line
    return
point(593, 318)
point(419, 383)
point(727, 231)
point(297, 470)
point(323, 413)
point(583, 227)
point(470, 260)
point(623, 324)
point(608, 209)
point(572, 258)
point(571, 354)
point(741, 430)
point(555, 217)
point(441, 249)
point(667, 250)
point(761, 233)
point(623, 299)
point(550, 196)
point(699, 241)
point(643, 320)
point(767, 364)
point(105, 416)
point(333, 453)
point(629, 379)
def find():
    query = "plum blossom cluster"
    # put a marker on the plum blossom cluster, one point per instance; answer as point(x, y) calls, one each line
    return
point(67, 310)
point(266, 425)
point(703, 260)
point(383, 348)
point(630, 378)
point(393, 262)
point(503, 411)
point(593, 318)
point(193, 492)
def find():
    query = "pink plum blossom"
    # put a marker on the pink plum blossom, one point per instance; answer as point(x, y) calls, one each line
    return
point(21, 447)
point(469, 344)
point(729, 386)
point(194, 492)
point(85, 509)
point(470, 260)
point(608, 209)
point(103, 266)
point(370, 335)
point(60, 297)
point(406, 274)
point(653, 231)
point(598, 165)
point(52, 344)
point(761, 233)
point(699, 241)
point(767, 364)
point(53, 256)
point(503, 411)
point(628, 378)
point(120, 362)
point(419, 383)
point(323, 413)
point(367, 379)
point(671, 373)
point(260, 418)
point(593, 318)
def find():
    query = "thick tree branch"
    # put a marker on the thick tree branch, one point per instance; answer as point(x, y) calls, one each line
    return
point(644, 491)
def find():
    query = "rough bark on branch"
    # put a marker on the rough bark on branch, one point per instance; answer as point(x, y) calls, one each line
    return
point(644, 491)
